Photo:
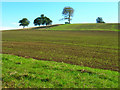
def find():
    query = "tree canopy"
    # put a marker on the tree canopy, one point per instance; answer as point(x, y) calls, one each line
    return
point(68, 13)
point(24, 22)
point(99, 20)
point(42, 20)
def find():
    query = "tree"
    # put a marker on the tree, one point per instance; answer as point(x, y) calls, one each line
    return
point(68, 13)
point(48, 21)
point(42, 20)
point(24, 22)
point(99, 20)
point(37, 21)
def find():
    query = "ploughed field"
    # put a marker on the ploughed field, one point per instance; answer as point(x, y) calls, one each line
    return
point(96, 49)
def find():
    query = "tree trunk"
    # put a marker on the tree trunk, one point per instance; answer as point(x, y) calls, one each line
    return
point(69, 19)
point(23, 27)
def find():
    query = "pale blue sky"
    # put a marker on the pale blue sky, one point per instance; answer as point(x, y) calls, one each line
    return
point(59, 0)
point(85, 12)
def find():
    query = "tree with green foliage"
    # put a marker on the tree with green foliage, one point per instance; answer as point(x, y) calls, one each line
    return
point(24, 22)
point(48, 21)
point(42, 20)
point(99, 20)
point(68, 13)
point(38, 21)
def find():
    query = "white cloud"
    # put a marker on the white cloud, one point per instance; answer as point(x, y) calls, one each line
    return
point(11, 28)
point(8, 28)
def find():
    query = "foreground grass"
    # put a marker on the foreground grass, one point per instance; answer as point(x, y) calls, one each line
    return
point(96, 49)
point(19, 72)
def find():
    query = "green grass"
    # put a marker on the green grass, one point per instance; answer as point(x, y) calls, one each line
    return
point(79, 27)
point(94, 26)
point(19, 72)
point(91, 51)
point(96, 49)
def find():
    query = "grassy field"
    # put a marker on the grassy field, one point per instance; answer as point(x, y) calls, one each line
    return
point(97, 49)
point(19, 72)
point(79, 27)
point(94, 26)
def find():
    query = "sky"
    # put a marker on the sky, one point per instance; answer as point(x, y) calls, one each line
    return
point(84, 12)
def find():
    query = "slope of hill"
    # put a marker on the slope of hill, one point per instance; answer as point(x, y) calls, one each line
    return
point(19, 72)
point(38, 27)
point(94, 26)
point(87, 26)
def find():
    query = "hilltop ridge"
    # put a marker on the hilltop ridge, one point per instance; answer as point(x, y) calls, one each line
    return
point(84, 26)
